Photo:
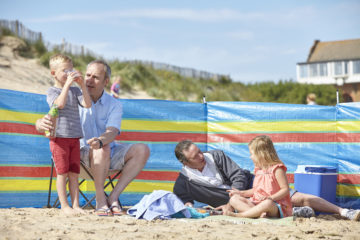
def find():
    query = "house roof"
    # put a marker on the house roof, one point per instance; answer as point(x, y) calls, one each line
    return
point(335, 50)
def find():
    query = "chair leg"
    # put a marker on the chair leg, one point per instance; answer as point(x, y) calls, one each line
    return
point(50, 183)
point(88, 202)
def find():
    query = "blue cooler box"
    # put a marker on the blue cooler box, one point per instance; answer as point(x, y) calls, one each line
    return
point(316, 180)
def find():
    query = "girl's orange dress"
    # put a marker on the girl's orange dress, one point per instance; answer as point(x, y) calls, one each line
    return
point(265, 184)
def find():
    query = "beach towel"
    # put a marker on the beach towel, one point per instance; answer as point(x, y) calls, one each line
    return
point(159, 204)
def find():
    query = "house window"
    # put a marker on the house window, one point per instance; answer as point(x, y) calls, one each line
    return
point(346, 64)
point(356, 67)
point(338, 67)
point(323, 69)
point(313, 70)
point(303, 71)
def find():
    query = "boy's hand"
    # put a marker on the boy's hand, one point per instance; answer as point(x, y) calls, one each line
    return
point(75, 76)
point(79, 78)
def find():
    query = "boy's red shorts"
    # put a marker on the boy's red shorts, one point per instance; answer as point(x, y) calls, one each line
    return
point(66, 154)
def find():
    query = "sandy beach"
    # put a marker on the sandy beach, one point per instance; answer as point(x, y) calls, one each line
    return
point(32, 223)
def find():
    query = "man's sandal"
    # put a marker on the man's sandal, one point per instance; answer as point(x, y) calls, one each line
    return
point(118, 212)
point(103, 212)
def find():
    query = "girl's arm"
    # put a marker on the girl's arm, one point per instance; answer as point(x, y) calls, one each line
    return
point(280, 176)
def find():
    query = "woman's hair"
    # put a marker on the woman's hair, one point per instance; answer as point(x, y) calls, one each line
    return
point(263, 148)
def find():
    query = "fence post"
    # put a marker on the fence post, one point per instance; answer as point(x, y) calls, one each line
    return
point(63, 45)
point(17, 28)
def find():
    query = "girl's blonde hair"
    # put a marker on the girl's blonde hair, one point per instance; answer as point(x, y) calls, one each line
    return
point(263, 148)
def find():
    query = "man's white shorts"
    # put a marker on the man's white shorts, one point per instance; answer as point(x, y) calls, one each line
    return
point(118, 154)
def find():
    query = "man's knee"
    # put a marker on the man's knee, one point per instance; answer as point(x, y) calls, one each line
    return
point(301, 199)
point(139, 150)
point(101, 155)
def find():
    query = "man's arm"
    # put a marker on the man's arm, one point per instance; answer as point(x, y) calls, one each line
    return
point(239, 178)
point(44, 124)
point(107, 137)
point(180, 190)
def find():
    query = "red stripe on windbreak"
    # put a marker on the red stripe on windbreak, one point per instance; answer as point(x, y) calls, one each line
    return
point(161, 137)
point(349, 178)
point(43, 172)
point(278, 137)
point(202, 137)
point(290, 177)
point(18, 128)
point(348, 137)
point(155, 175)
point(11, 171)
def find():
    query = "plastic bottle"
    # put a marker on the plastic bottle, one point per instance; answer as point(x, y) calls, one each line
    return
point(53, 113)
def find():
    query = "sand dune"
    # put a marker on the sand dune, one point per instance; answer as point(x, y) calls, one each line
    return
point(28, 75)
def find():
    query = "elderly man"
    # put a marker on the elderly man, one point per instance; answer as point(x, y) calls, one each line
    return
point(211, 176)
point(100, 125)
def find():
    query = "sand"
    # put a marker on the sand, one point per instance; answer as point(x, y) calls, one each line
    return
point(32, 223)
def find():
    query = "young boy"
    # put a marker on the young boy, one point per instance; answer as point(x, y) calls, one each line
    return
point(65, 146)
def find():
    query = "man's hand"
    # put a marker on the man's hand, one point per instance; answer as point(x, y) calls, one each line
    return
point(94, 143)
point(189, 204)
point(242, 193)
point(225, 208)
point(235, 191)
point(44, 124)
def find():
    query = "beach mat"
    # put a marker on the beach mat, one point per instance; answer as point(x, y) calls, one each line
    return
point(276, 221)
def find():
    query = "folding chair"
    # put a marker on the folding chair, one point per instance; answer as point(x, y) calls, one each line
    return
point(85, 174)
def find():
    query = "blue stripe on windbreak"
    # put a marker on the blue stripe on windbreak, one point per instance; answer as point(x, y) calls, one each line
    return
point(163, 110)
point(245, 111)
point(40, 199)
point(23, 102)
point(292, 154)
point(348, 111)
point(348, 158)
point(162, 157)
point(23, 149)
point(348, 202)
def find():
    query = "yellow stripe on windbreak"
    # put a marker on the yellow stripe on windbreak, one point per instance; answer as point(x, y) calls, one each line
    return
point(145, 125)
point(7, 115)
point(281, 126)
point(23, 185)
point(348, 126)
point(348, 190)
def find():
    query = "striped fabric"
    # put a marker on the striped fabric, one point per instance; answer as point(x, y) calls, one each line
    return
point(302, 134)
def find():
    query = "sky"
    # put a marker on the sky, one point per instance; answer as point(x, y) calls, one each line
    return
point(251, 41)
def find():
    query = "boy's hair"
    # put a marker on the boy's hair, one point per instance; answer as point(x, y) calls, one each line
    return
point(107, 68)
point(264, 149)
point(179, 150)
point(57, 59)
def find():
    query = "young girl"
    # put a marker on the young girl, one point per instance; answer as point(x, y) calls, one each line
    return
point(269, 196)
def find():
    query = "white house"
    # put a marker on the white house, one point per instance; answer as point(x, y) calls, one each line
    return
point(335, 62)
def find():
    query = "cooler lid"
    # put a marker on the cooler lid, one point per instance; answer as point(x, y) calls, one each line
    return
point(315, 169)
